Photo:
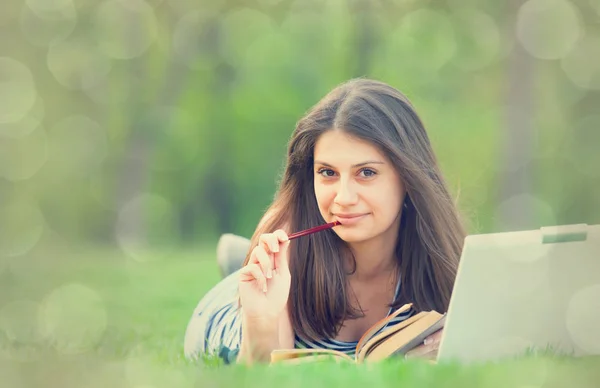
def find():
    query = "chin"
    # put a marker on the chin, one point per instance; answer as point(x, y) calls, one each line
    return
point(354, 236)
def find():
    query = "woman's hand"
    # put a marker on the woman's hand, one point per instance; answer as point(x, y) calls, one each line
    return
point(264, 287)
point(264, 284)
point(429, 348)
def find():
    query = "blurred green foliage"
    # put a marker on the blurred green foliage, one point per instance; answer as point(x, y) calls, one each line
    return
point(159, 123)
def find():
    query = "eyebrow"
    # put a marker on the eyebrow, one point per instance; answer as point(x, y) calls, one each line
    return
point(354, 165)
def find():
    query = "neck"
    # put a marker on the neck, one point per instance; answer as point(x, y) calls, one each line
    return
point(374, 259)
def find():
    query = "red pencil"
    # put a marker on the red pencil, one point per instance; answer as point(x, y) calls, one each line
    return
point(313, 230)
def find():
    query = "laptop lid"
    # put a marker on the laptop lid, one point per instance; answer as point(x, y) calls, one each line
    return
point(527, 290)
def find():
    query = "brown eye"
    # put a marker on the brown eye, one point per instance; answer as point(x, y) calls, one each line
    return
point(326, 172)
point(368, 173)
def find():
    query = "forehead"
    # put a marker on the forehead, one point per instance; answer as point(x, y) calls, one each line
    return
point(338, 147)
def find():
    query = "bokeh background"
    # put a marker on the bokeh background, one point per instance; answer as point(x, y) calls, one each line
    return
point(165, 122)
point(136, 131)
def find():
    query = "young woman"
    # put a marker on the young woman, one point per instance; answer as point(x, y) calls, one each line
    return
point(360, 156)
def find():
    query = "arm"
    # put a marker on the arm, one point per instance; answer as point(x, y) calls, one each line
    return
point(259, 338)
point(264, 290)
point(265, 329)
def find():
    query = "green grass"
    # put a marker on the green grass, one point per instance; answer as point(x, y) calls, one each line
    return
point(147, 306)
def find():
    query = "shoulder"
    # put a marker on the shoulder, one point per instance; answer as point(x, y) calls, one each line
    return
point(223, 293)
point(215, 320)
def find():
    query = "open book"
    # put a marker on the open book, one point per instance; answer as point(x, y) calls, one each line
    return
point(374, 345)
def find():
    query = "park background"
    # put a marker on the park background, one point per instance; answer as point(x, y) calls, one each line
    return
point(134, 133)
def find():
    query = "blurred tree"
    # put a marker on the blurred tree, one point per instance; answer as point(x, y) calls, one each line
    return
point(364, 34)
point(580, 199)
point(134, 177)
point(515, 175)
point(197, 102)
point(215, 187)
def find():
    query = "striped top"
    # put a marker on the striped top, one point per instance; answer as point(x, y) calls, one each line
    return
point(215, 326)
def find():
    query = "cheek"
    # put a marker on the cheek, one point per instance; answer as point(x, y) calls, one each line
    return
point(324, 196)
point(388, 200)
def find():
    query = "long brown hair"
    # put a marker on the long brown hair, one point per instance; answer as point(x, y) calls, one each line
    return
point(431, 232)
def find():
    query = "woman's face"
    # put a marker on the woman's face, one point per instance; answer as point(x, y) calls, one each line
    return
point(358, 186)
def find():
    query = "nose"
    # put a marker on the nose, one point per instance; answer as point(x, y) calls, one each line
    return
point(346, 193)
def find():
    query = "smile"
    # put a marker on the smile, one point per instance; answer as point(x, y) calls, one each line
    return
point(349, 219)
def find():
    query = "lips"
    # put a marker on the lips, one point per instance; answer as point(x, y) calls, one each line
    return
point(350, 219)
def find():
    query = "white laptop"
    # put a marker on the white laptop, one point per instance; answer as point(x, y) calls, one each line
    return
point(516, 292)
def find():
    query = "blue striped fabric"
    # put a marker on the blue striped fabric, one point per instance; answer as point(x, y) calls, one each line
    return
point(215, 326)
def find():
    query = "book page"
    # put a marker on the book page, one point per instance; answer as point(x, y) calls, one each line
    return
point(408, 338)
point(418, 340)
point(374, 341)
point(377, 326)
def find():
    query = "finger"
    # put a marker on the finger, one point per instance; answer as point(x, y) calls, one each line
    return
point(270, 242)
point(281, 235)
point(421, 351)
point(283, 242)
point(265, 260)
point(253, 259)
point(261, 257)
point(253, 272)
point(281, 260)
point(434, 338)
point(430, 355)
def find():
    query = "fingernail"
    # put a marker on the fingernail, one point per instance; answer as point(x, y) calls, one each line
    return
point(430, 341)
point(265, 288)
point(276, 248)
point(269, 273)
